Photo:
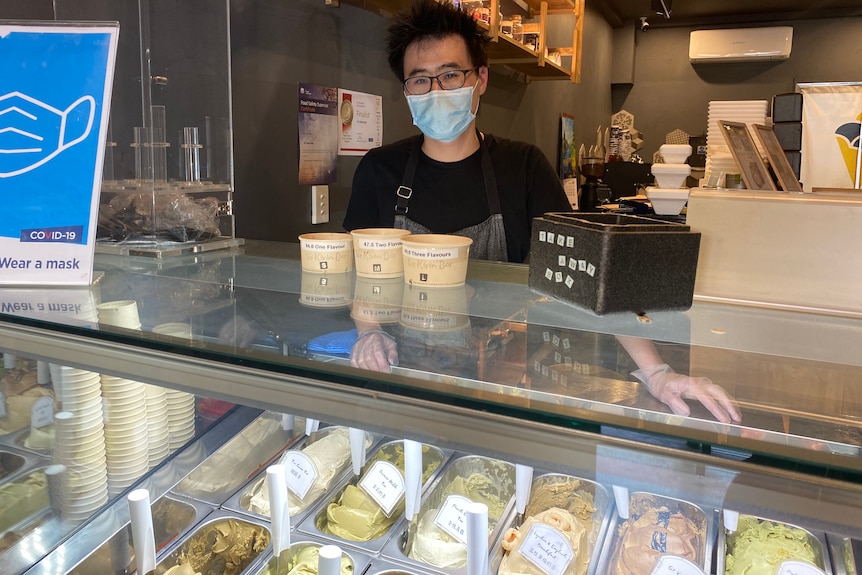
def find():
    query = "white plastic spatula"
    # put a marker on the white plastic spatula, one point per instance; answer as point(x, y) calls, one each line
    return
point(311, 425)
point(43, 374)
point(287, 422)
point(621, 497)
point(412, 477)
point(143, 538)
point(731, 520)
point(477, 539)
point(523, 486)
point(329, 560)
point(357, 449)
point(279, 510)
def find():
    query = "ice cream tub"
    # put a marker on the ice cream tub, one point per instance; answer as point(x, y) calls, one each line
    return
point(323, 458)
point(435, 259)
point(325, 252)
point(377, 252)
point(759, 546)
point(246, 453)
point(302, 556)
point(381, 566)
point(223, 544)
point(845, 553)
point(574, 510)
point(13, 464)
point(656, 526)
point(173, 517)
point(427, 541)
point(23, 499)
point(355, 515)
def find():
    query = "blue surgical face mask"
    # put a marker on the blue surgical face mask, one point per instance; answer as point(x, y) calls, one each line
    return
point(443, 115)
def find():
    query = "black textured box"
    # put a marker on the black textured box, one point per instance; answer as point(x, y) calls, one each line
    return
point(613, 263)
point(789, 135)
point(795, 159)
point(787, 107)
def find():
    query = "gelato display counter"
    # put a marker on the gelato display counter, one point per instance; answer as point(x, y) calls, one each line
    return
point(230, 359)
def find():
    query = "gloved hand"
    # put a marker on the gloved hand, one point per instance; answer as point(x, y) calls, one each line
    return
point(672, 388)
point(374, 350)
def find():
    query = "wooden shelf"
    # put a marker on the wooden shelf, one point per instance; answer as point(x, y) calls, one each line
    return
point(504, 50)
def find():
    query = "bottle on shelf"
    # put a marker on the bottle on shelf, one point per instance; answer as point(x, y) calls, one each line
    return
point(506, 26)
point(517, 28)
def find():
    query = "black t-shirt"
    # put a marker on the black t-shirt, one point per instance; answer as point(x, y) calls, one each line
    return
point(449, 196)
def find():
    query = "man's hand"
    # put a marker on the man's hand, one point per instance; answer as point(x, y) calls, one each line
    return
point(374, 350)
point(673, 388)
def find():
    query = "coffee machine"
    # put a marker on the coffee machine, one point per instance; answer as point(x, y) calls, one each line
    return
point(592, 170)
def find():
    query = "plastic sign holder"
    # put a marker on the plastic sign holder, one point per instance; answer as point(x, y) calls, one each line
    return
point(55, 92)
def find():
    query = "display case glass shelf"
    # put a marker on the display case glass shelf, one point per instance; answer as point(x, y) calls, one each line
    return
point(513, 374)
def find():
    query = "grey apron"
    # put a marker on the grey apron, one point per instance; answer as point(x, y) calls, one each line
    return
point(489, 237)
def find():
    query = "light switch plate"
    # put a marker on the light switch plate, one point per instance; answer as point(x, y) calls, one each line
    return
point(319, 204)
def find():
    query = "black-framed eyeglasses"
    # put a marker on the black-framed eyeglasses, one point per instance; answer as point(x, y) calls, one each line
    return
point(448, 80)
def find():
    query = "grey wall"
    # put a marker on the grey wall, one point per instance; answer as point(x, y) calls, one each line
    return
point(669, 93)
point(277, 44)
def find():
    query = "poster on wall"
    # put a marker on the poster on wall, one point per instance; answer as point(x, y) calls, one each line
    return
point(568, 161)
point(831, 128)
point(361, 118)
point(318, 134)
point(55, 94)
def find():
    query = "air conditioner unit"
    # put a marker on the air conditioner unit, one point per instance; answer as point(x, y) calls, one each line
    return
point(740, 45)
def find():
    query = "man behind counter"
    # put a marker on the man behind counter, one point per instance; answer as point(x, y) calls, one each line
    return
point(452, 179)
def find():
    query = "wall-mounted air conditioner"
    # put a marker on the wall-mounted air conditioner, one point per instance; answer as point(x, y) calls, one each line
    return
point(740, 45)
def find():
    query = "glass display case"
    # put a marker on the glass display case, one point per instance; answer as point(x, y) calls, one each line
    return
point(167, 182)
point(491, 370)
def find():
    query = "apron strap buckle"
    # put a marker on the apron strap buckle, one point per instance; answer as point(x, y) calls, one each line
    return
point(404, 193)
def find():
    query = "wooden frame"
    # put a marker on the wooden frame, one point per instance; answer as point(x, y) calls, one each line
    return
point(748, 160)
point(782, 168)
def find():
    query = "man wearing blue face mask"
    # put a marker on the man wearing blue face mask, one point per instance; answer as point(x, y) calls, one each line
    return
point(452, 179)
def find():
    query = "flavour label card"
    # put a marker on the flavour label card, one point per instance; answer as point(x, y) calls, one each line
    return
point(55, 92)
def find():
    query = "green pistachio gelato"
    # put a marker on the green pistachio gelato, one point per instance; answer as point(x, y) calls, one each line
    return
point(758, 547)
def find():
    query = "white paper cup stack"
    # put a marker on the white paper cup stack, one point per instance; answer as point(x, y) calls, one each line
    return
point(126, 431)
point(158, 435)
point(121, 313)
point(181, 418)
point(80, 449)
point(79, 391)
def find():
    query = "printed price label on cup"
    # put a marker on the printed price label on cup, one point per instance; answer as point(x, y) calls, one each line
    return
point(301, 472)
point(798, 568)
point(673, 565)
point(2, 405)
point(42, 412)
point(452, 517)
point(547, 549)
point(384, 484)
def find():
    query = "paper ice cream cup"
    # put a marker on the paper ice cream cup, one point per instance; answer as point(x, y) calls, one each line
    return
point(435, 308)
point(326, 291)
point(323, 253)
point(437, 260)
point(122, 313)
point(378, 252)
point(377, 300)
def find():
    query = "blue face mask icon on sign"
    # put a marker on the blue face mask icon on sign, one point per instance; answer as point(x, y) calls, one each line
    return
point(443, 115)
point(33, 132)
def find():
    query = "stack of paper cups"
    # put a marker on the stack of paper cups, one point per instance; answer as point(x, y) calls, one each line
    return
point(157, 424)
point(122, 313)
point(80, 448)
point(126, 431)
point(181, 418)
